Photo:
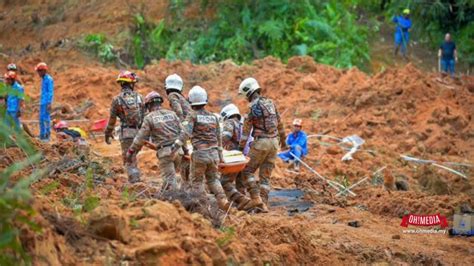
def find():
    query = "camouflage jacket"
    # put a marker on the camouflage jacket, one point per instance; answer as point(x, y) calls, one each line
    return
point(129, 107)
point(231, 134)
point(179, 105)
point(264, 119)
point(203, 129)
point(162, 126)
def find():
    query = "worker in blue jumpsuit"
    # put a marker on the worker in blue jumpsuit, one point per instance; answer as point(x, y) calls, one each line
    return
point(402, 32)
point(14, 100)
point(46, 99)
point(297, 141)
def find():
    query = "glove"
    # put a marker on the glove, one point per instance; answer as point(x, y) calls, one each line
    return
point(108, 137)
point(176, 145)
point(129, 155)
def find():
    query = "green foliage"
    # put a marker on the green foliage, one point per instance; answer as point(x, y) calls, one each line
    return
point(49, 187)
point(84, 198)
point(343, 180)
point(90, 203)
point(98, 45)
point(127, 197)
point(244, 30)
point(229, 234)
point(15, 198)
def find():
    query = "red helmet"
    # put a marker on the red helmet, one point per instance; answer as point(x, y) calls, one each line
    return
point(153, 97)
point(10, 75)
point(11, 67)
point(41, 66)
point(60, 124)
point(127, 76)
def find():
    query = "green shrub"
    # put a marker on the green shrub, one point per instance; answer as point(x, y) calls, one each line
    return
point(98, 45)
point(244, 30)
point(15, 198)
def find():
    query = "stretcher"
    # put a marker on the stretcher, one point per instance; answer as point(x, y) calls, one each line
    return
point(234, 161)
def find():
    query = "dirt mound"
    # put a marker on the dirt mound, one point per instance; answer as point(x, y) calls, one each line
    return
point(398, 111)
point(398, 204)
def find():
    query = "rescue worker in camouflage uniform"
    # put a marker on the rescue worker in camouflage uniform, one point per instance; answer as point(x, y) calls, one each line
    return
point(181, 106)
point(129, 107)
point(267, 129)
point(203, 128)
point(163, 127)
point(232, 130)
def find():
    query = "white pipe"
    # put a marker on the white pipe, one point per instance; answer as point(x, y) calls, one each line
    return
point(333, 184)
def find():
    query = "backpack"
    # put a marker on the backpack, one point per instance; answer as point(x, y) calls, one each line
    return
point(132, 109)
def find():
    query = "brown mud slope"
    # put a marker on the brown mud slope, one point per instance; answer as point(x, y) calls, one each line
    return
point(399, 111)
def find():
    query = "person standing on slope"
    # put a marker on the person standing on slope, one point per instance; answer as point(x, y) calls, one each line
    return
point(202, 127)
point(182, 108)
point(267, 129)
point(46, 99)
point(163, 127)
point(448, 55)
point(129, 107)
point(231, 133)
point(402, 32)
point(14, 100)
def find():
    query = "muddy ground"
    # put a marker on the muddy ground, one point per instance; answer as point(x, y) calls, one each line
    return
point(91, 216)
point(399, 111)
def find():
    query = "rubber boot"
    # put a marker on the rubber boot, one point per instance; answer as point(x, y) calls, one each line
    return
point(223, 203)
point(256, 203)
point(241, 202)
point(264, 193)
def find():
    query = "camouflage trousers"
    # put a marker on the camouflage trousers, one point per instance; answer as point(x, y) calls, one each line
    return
point(263, 153)
point(233, 192)
point(125, 145)
point(204, 163)
point(168, 162)
point(185, 171)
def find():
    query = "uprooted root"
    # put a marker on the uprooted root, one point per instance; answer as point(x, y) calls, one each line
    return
point(69, 227)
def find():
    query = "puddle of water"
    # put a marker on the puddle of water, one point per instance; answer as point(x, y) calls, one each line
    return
point(291, 199)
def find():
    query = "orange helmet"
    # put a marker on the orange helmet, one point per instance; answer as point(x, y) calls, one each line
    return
point(60, 125)
point(298, 122)
point(153, 97)
point(41, 66)
point(10, 75)
point(127, 76)
point(12, 67)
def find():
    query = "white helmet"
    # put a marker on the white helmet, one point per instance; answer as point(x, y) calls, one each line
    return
point(197, 96)
point(174, 82)
point(229, 110)
point(248, 86)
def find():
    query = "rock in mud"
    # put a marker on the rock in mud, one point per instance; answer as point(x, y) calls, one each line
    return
point(396, 237)
point(401, 185)
point(109, 222)
point(354, 224)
